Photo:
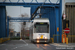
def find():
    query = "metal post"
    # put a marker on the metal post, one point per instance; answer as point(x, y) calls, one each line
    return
point(66, 34)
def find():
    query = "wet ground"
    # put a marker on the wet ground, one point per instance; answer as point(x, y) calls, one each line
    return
point(27, 45)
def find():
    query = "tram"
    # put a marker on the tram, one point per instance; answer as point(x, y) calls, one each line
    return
point(40, 30)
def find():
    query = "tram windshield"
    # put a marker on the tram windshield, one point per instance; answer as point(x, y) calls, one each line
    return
point(41, 28)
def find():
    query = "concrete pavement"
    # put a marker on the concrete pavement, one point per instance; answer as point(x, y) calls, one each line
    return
point(27, 45)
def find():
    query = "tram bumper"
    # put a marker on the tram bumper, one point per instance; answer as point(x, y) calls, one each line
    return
point(41, 40)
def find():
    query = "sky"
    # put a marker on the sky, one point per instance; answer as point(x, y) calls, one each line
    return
point(16, 11)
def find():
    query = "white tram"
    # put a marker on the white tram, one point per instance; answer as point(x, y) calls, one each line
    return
point(40, 30)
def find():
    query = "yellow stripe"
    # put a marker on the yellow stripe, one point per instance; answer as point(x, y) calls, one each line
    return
point(4, 39)
point(71, 35)
point(55, 35)
point(53, 38)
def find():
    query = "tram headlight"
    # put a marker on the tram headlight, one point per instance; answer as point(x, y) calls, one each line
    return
point(45, 37)
point(37, 41)
point(37, 37)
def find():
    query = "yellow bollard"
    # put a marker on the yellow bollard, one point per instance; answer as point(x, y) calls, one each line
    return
point(52, 40)
point(66, 40)
point(63, 40)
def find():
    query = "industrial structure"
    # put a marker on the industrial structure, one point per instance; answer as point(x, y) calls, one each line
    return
point(52, 11)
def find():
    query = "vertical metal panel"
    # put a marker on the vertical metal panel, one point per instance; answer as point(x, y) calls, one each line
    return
point(54, 21)
point(0, 25)
point(72, 22)
point(74, 25)
point(57, 22)
point(51, 20)
point(68, 15)
point(2, 22)
point(50, 17)
point(60, 20)
point(70, 12)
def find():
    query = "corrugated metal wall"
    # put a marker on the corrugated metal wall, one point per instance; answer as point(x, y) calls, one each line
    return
point(2, 21)
point(70, 12)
